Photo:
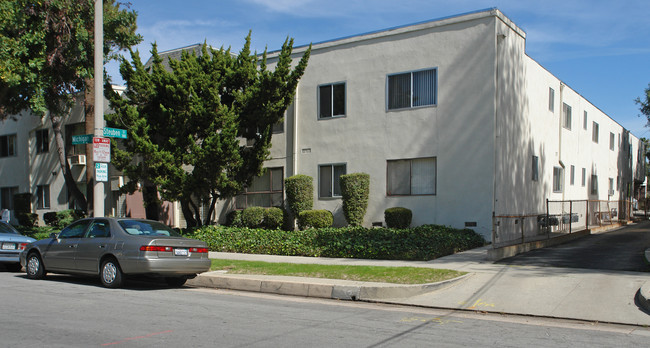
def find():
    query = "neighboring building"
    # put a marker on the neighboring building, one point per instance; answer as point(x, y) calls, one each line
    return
point(29, 164)
point(450, 118)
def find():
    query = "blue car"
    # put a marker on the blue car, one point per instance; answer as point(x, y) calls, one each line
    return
point(11, 244)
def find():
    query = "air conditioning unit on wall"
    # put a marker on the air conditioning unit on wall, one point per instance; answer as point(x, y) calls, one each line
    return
point(78, 160)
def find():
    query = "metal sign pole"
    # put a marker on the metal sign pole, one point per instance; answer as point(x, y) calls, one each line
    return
point(98, 188)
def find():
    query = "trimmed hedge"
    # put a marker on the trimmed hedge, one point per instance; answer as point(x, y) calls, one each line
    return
point(253, 217)
point(300, 193)
point(355, 189)
point(420, 243)
point(233, 219)
point(398, 217)
point(315, 219)
point(61, 219)
point(273, 218)
point(256, 217)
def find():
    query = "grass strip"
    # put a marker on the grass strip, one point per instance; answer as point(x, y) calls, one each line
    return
point(396, 275)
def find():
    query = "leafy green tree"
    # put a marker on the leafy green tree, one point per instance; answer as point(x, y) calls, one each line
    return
point(186, 121)
point(46, 59)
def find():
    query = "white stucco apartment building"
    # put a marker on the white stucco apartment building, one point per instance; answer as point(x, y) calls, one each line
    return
point(452, 120)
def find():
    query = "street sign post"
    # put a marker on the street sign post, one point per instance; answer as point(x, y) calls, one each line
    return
point(82, 139)
point(101, 150)
point(115, 132)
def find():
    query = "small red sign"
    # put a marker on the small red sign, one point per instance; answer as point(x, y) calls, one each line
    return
point(101, 150)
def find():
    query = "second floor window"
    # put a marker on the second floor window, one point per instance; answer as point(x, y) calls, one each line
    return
point(566, 114)
point(412, 89)
point(331, 100)
point(42, 141)
point(8, 145)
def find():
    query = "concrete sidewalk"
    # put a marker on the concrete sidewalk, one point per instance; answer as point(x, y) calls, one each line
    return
point(582, 294)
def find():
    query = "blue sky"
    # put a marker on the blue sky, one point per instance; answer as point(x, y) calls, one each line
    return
point(601, 49)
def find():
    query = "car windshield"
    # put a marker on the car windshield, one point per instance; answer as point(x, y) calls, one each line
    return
point(5, 228)
point(147, 228)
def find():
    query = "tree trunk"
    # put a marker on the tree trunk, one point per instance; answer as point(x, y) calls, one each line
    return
point(70, 183)
point(151, 201)
point(187, 213)
point(213, 202)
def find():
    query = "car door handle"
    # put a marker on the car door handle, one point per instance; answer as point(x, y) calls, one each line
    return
point(72, 246)
point(102, 246)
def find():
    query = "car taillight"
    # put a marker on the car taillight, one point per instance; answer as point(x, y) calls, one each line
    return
point(22, 246)
point(156, 248)
point(198, 250)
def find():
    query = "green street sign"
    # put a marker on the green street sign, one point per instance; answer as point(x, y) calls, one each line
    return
point(115, 132)
point(82, 139)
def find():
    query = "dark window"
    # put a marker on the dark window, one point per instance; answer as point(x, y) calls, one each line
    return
point(329, 180)
point(42, 141)
point(265, 190)
point(43, 192)
point(8, 145)
point(412, 89)
point(7, 197)
point(412, 177)
point(535, 168)
point(331, 100)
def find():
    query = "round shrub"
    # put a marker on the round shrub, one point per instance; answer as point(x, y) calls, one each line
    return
point(300, 193)
point(315, 219)
point(253, 217)
point(233, 218)
point(273, 218)
point(398, 217)
point(355, 189)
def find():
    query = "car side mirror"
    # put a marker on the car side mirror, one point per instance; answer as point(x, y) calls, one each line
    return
point(54, 235)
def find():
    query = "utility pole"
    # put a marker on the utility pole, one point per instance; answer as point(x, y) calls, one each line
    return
point(98, 187)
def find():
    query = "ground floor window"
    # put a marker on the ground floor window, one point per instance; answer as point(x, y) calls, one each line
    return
point(329, 180)
point(558, 174)
point(411, 177)
point(43, 193)
point(265, 190)
point(7, 197)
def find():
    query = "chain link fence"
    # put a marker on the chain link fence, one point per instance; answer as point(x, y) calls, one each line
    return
point(560, 217)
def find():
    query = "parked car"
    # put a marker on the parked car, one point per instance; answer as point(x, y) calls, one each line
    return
point(113, 248)
point(11, 244)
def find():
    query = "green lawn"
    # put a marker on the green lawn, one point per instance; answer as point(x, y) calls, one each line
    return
point(397, 275)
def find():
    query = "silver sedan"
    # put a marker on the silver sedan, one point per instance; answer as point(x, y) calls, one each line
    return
point(114, 248)
point(11, 244)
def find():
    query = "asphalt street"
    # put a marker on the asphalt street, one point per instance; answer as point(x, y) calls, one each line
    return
point(64, 311)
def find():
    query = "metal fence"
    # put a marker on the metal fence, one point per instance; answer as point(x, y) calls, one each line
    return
point(559, 217)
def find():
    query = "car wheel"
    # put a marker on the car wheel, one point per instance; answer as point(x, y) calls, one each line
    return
point(111, 274)
point(34, 267)
point(175, 282)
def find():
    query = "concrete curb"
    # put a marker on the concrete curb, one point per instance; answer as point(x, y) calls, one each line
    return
point(316, 287)
point(644, 296)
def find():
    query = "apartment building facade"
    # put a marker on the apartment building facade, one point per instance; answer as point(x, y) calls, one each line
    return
point(450, 118)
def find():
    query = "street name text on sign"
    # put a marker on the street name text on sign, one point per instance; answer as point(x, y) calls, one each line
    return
point(114, 132)
point(101, 172)
point(82, 139)
point(102, 150)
